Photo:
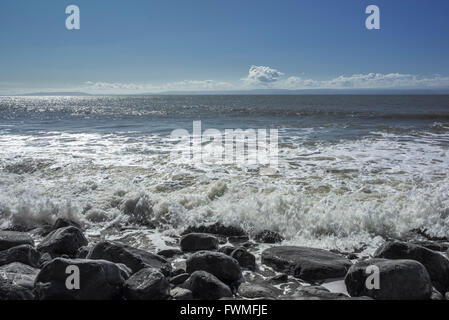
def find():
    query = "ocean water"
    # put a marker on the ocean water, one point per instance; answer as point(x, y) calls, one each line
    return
point(353, 170)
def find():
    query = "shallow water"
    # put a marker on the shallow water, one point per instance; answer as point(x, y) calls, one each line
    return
point(353, 170)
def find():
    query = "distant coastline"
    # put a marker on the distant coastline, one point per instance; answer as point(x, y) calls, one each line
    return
point(256, 92)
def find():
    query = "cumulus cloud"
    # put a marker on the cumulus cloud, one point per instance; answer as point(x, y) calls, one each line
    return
point(262, 75)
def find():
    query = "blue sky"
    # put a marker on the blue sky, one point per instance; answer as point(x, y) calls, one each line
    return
point(150, 46)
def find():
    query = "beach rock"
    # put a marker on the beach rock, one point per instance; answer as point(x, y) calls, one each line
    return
point(309, 264)
point(225, 268)
point(278, 279)
point(436, 264)
point(24, 253)
point(254, 291)
point(9, 239)
point(227, 250)
point(179, 279)
point(65, 240)
point(17, 281)
point(169, 253)
point(267, 236)
point(398, 280)
point(446, 296)
point(245, 259)
point(206, 286)
point(63, 222)
point(99, 280)
point(238, 239)
point(433, 245)
point(198, 241)
point(45, 258)
point(317, 293)
point(147, 284)
point(177, 272)
point(83, 252)
point(181, 294)
point(133, 258)
point(217, 229)
point(436, 295)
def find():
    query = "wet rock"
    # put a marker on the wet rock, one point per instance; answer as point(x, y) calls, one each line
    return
point(24, 253)
point(267, 236)
point(9, 239)
point(198, 241)
point(63, 223)
point(83, 252)
point(227, 250)
point(147, 284)
point(245, 259)
point(238, 240)
point(181, 294)
point(177, 272)
point(254, 291)
point(133, 258)
point(179, 278)
point(309, 264)
point(398, 280)
point(65, 240)
point(436, 264)
point(281, 278)
point(45, 258)
point(436, 295)
point(447, 295)
point(17, 281)
point(99, 280)
point(432, 245)
point(225, 268)
point(317, 293)
point(217, 229)
point(206, 286)
point(169, 253)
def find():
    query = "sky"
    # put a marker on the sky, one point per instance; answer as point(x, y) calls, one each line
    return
point(145, 46)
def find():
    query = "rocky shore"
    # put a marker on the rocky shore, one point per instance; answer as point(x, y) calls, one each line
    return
point(213, 262)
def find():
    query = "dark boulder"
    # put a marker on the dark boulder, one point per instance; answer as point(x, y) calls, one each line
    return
point(24, 253)
point(217, 229)
point(398, 280)
point(180, 278)
point(318, 293)
point(198, 241)
point(245, 259)
point(63, 223)
point(278, 279)
point(255, 291)
point(206, 286)
point(62, 241)
point(133, 258)
point(98, 280)
point(267, 236)
point(436, 264)
point(227, 250)
point(305, 263)
point(181, 294)
point(169, 253)
point(9, 239)
point(17, 281)
point(147, 284)
point(225, 268)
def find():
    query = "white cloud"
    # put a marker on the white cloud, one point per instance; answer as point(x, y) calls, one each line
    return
point(262, 75)
point(186, 85)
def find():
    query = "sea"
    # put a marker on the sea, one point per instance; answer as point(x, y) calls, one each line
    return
point(353, 170)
